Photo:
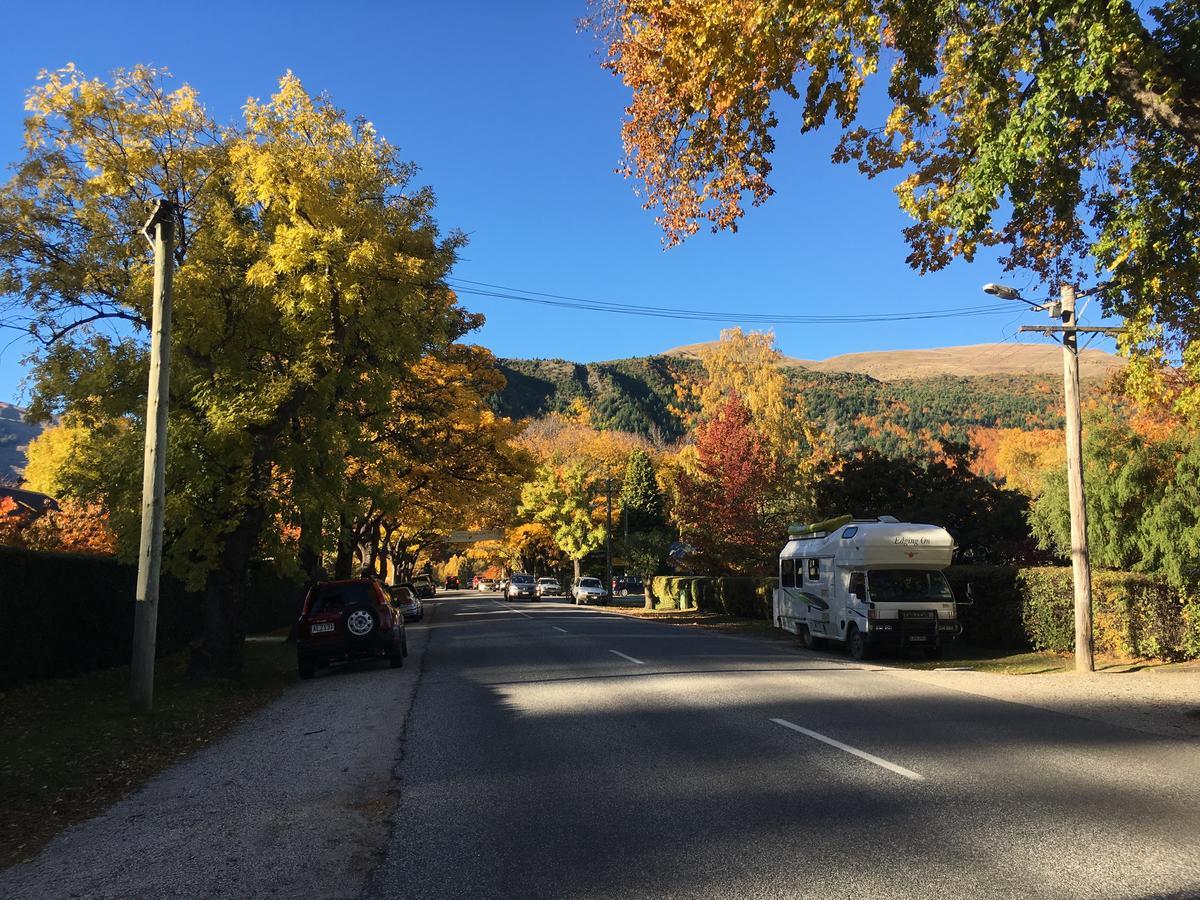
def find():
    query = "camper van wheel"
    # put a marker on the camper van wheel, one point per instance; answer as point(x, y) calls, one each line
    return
point(811, 641)
point(857, 644)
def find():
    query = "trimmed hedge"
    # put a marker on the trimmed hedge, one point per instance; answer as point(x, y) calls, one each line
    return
point(63, 613)
point(746, 597)
point(1133, 615)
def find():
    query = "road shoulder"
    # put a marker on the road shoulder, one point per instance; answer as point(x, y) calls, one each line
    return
point(295, 801)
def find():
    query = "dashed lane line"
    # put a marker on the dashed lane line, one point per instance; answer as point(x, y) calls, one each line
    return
point(628, 657)
point(861, 754)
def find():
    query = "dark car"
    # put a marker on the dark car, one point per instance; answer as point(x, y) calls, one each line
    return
point(521, 587)
point(627, 584)
point(423, 586)
point(345, 620)
point(407, 602)
point(452, 582)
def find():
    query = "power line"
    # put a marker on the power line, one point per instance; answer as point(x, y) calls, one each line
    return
point(540, 298)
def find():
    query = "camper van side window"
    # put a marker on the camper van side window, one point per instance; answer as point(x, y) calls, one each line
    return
point(787, 573)
point(814, 570)
point(858, 585)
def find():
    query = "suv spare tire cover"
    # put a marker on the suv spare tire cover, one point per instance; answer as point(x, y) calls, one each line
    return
point(360, 621)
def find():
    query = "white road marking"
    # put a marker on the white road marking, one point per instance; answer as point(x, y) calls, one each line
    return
point(510, 609)
point(626, 656)
point(556, 628)
point(861, 754)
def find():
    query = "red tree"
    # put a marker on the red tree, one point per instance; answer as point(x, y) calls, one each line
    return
point(723, 508)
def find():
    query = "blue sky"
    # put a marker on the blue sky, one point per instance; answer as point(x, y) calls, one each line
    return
point(516, 127)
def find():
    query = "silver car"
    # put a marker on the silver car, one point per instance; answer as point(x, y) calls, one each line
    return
point(587, 590)
point(548, 587)
point(406, 602)
point(521, 587)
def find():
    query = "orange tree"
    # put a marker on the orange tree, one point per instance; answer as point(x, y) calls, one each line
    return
point(724, 500)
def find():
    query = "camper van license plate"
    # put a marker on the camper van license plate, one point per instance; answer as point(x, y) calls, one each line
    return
point(918, 637)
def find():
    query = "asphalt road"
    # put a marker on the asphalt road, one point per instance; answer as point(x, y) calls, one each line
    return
point(554, 751)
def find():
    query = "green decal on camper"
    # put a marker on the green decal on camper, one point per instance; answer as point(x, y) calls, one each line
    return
point(812, 600)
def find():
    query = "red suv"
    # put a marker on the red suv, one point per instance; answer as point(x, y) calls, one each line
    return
point(348, 620)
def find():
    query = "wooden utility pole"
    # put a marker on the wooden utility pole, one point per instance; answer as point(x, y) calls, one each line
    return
point(1081, 567)
point(154, 465)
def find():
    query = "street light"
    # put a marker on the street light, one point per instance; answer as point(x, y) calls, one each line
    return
point(1003, 291)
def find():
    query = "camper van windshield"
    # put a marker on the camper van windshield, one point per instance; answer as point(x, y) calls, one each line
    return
point(907, 585)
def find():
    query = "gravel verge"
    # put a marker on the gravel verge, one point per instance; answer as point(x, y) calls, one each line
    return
point(296, 801)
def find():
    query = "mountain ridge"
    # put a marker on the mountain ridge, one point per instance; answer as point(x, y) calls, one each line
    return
point(964, 361)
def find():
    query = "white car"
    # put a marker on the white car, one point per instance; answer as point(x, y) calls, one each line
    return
point(587, 590)
point(548, 587)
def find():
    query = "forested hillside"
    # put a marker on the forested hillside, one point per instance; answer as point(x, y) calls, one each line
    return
point(898, 418)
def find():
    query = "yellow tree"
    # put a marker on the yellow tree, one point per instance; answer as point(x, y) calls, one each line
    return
point(311, 276)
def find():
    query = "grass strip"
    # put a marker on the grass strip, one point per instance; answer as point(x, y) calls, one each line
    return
point(72, 747)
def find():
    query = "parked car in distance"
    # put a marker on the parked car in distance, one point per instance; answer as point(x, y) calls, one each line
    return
point(628, 584)
point(587, 590)
point(502, 584)
point(452, 582)
point(343, 620)
point(423, 586)
point(485, 584)
point(521, 587)
point(407, 602)
point(549, 587)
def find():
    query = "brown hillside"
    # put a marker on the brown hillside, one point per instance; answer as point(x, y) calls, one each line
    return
point(978, 359)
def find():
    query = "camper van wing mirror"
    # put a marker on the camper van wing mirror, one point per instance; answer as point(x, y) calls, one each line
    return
point(970, 596)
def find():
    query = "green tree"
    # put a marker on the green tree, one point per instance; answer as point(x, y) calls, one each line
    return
point(310, 276)
point(1066, 133)
point(646, 538)
point(1143, 497)
point(564, 500)
point(987, 522)
point(641, 499)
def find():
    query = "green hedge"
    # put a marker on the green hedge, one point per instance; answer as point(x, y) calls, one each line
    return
point(63, 614)
point(747, 597)
point(1132, 614)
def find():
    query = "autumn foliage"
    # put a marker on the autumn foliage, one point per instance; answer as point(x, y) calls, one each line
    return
point(724, 501)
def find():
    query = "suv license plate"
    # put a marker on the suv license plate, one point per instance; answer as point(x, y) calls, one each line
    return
point(320, 627)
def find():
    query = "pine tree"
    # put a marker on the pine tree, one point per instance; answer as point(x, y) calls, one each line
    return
point(641, 499)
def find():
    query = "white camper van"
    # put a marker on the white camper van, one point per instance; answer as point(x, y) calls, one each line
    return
point(868, 582)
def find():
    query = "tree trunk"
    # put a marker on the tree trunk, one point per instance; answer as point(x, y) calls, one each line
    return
point(343, 565)
point(577, 568)
point(221, 650)
point(649, 591)
point(310, 544)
